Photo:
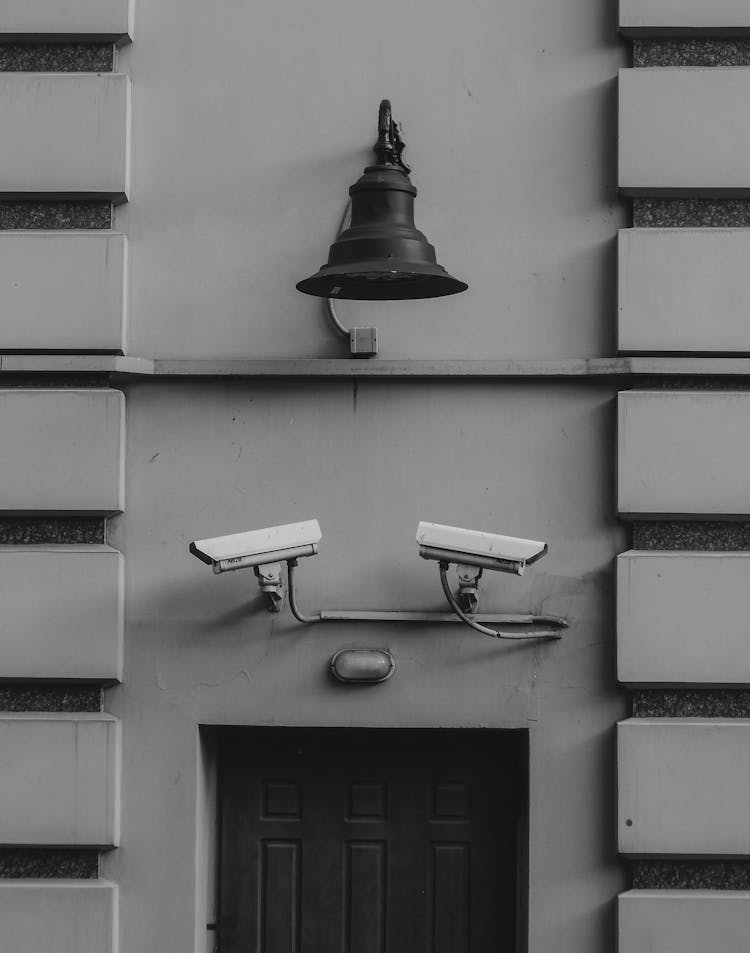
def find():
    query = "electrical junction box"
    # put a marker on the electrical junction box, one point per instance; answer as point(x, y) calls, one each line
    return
point(363, 341)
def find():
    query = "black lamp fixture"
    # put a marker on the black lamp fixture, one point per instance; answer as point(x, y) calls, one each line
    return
point(382, 256)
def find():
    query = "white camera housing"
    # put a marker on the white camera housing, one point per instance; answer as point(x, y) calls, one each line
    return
point(468, 547)
point(259, 547)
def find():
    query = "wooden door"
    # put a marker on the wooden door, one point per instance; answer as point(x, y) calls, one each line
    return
point(369, 841)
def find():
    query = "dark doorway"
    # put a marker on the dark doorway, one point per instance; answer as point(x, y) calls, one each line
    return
point(370, 840)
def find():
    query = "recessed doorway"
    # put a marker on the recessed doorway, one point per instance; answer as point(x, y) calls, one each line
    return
point(370, 840)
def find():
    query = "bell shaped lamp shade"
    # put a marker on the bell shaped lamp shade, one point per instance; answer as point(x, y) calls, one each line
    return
point(382, 256)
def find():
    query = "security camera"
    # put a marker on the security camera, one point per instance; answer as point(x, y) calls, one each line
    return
point(259, 547)
point(467, 547)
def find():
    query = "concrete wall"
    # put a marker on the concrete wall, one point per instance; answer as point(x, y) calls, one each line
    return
point(368, 461)
point(250, 123)
point(233, 132)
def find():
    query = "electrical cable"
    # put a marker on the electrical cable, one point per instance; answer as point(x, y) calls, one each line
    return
point(340, 329)
point(495, 634)
point(299, 616)
point(323, 616)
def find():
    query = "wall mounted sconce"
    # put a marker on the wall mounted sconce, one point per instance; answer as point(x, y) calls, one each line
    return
point(471, 551)
point(380, 255)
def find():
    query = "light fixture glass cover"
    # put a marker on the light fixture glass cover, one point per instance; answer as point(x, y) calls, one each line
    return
point(382, 256)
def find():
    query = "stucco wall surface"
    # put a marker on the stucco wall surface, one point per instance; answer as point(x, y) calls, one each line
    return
point(368, 461)
point(250, 122)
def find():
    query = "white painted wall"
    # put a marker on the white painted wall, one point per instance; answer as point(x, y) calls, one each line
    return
point(251, 121)
point(368, 460)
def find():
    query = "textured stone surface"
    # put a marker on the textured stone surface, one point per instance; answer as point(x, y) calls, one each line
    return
point(691, 52)
point(57, 57)
point(89, 213)
point(36, 696)
point(691, 874)
point(710, 536)
point(49, 862)
point(689, 213)
point(60, 529)
point(692, 703)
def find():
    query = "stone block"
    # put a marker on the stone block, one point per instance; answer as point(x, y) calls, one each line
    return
point(62, 450)
point(59, 779)
point(682, 787)
point(683, 290)
point(681, 132)
point(63, 916)
point(683, 921)
point(62, 614)
point(80, 304)
point(684, 18)
point(683, 453)
point(85, 20)
point(65, 134)
point(682, 618)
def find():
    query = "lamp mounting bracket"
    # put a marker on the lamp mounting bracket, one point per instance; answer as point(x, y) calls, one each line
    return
point(390, 145)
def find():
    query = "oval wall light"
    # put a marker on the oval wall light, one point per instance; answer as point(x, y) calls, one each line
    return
point(364, 666)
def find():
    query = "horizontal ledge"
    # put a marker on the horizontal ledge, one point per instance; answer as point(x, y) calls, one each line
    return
point(682, 32)
point(76, 549)
point(641, 685)
point(116, 196)
point(692, 721)
point(689, 192)
point(58, 716)
point(316, 367)
point(664, 855)
point(689, 516)
point(620, 367)
point(118, 37)
point(74, 364)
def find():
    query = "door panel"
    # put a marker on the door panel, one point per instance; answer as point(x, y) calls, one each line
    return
point(369, 841)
